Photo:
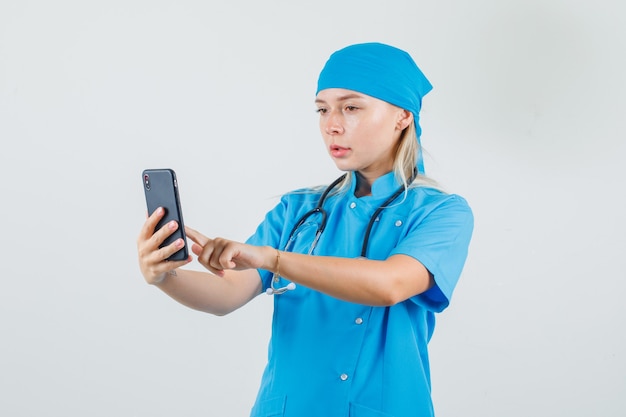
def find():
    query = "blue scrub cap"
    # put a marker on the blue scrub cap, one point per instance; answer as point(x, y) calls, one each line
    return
point(381, 71)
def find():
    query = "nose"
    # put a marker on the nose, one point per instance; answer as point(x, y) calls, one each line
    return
point(333, 123)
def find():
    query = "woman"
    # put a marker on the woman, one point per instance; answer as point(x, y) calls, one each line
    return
point(358, 276)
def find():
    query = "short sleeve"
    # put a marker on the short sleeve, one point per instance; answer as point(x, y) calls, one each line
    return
point(440, 241)
point(269, 233)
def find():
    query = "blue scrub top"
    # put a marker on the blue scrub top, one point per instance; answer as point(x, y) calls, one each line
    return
point(329, 357)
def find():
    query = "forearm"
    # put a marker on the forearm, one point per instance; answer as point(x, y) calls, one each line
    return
point(209, 293)
point(363, 281)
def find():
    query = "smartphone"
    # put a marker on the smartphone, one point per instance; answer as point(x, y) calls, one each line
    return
point(161, 189)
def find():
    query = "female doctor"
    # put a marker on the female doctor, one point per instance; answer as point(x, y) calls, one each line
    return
point(357, 270)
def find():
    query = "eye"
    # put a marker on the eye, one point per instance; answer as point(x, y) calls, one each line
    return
point(351, 108)
point(321, 110)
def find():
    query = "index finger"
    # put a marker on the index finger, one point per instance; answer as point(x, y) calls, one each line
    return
point(196, 236)
point(150, 224)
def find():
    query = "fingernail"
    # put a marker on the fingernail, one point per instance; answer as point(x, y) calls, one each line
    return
point(172, 225)
point(179, 243)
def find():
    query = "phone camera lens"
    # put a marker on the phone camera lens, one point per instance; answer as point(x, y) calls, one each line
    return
point(146, 181)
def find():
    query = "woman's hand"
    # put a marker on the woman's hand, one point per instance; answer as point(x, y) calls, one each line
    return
point(219, 254)
point(152, 259)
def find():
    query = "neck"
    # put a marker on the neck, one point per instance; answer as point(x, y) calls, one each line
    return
point(363, 185)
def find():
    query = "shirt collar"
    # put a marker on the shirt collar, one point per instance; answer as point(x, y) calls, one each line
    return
point(382, 188)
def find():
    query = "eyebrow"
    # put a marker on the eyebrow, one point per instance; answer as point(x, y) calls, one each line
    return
point(342, 98)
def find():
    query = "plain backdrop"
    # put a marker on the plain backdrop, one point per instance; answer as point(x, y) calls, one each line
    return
point(526, 121)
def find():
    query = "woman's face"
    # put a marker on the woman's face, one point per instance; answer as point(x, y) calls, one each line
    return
point(361, 132)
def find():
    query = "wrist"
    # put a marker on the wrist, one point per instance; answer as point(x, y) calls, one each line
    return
point(161, 278)
point(273, 260)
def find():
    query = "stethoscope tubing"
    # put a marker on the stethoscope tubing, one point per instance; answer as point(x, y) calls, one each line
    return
point(374, 217)
point(319, 208)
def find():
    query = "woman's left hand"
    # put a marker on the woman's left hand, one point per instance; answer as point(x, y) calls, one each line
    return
point(218, 255)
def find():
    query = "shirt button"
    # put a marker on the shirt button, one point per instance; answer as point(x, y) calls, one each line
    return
point(344, 377)
point(398, 223)
point(352, 205)
point(358, 320)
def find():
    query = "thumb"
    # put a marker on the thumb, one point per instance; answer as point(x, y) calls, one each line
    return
point(197, 249)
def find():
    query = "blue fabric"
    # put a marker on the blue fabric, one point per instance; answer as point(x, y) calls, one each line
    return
point(380, 351)
point(381, 71)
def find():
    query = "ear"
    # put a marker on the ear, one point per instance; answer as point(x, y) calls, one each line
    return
point(405, 118)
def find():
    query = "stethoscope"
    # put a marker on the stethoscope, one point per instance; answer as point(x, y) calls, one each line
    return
point(319, 209)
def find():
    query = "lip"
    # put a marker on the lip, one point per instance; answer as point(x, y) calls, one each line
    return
point(338, 151)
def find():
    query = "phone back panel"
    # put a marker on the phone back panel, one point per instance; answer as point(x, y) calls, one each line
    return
point(161, 190)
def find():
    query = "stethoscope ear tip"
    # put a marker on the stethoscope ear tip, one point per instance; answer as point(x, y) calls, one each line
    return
point(289, 287)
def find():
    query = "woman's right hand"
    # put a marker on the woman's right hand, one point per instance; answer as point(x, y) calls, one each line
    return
point(152, 259)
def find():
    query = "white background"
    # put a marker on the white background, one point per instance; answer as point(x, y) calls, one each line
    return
point(526, 121)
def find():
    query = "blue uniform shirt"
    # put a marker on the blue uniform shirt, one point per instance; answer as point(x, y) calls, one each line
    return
point(329, 357)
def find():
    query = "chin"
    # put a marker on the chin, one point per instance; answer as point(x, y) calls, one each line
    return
point(344, 166)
